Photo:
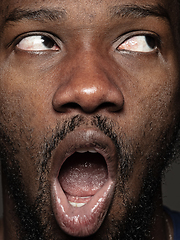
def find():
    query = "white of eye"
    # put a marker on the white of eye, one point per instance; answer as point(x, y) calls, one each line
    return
point(37, 43)
point(138, 44)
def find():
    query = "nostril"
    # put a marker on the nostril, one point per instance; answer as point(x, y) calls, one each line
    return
point(72, 105)
point(111, 107)
point(68, 106)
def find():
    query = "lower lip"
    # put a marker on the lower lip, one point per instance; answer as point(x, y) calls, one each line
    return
point(85, 220)
point(81, 221)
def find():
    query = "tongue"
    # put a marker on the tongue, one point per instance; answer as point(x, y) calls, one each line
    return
point(83, 174)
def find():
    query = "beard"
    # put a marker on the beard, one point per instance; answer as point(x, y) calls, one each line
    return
point(36, 219)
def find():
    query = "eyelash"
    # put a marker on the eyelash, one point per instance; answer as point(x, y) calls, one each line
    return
point(49, 36)
point(129, 36)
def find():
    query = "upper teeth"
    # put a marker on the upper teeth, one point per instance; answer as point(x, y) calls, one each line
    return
point(83, 150)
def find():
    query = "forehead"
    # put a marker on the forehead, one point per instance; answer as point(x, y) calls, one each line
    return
point(79, 3)
point(83, 10)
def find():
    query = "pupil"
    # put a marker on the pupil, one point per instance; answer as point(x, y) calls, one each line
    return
point(151, 42)
point(47, 42)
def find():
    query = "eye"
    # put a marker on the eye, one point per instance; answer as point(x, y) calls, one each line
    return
point(142, 43)
point(37, 43)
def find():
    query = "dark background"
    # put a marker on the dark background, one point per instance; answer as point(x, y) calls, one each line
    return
point(171, 189)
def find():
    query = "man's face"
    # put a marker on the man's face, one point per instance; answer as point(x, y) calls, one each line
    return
point(89, 94)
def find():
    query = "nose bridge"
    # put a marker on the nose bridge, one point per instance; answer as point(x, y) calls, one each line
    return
point(88, 86)
point(89, 78)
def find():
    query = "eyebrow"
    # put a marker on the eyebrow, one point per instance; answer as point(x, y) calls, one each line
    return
point(119, 11)
point(139, 11)
point(42, 15)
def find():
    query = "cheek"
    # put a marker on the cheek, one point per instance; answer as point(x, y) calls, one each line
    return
point(148, 121)
point(25, 101)
point(151, 95)
point(21, 128)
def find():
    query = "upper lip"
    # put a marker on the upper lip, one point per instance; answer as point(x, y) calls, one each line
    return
point(80, 139)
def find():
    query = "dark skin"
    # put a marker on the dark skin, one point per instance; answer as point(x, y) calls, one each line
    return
point(89, 69)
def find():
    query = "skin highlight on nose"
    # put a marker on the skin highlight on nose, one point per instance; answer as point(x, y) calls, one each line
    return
point(89, 91)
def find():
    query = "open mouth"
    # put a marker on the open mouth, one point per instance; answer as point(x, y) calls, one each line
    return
point(82, 175)
point(83, 188)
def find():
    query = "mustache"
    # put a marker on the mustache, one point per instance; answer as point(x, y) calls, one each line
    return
point(60, 132)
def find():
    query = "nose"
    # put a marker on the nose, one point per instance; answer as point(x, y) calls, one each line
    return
point(88, 87)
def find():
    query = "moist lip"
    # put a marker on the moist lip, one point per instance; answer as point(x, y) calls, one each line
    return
point(82, 215)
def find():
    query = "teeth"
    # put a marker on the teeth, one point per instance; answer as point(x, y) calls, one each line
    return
point(81, 151)
point(77, 204)
point(84, 150)
point(92, 151)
